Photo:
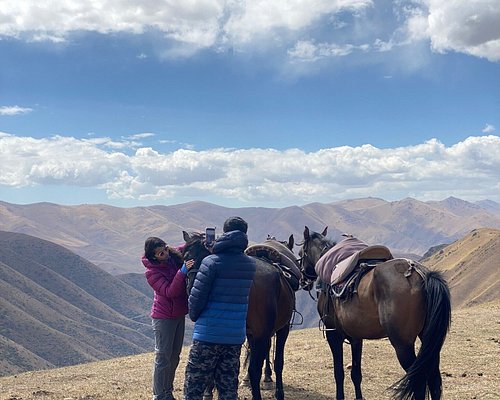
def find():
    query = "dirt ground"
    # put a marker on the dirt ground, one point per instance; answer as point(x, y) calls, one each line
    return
point(470, 363)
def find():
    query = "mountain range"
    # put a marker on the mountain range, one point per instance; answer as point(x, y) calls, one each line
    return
point(59, 308)
point(113, 238)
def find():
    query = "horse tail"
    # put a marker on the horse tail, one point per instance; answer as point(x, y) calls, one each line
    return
point(437, 324)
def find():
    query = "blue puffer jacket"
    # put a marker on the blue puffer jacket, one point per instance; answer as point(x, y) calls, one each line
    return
point(218, 302)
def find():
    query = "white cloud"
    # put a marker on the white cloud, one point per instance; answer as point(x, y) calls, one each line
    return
point(331, 27)
point(250, 19)
point(468, 169)
point(14, 110)
point(465, 26)
point(489, 129)
point(190, 22)
point(143, 135)
point(309, 51)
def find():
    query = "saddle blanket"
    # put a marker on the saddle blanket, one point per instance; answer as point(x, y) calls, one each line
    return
point(338, 262)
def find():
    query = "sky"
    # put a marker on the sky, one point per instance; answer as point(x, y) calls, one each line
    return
point(248, 103)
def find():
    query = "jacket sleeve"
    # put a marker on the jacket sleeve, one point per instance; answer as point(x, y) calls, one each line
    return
point(164, 286)
point(202, 286)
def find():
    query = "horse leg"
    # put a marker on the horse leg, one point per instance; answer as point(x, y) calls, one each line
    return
point(356, 376)
point(267, 384)
point(246, 379)
point(259, 347)
point(424, 368)
point(406, 357)
point(279, 360)
point(335, 341)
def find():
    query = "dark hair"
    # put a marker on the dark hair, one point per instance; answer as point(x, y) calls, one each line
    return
point(235, 224)
point(150, 245)
point(154, 242)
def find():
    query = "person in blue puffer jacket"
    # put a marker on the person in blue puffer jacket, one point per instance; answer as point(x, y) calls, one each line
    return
point(218, 304)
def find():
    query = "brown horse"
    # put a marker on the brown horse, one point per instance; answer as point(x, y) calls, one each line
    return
point(398, 299)
point(270, 309)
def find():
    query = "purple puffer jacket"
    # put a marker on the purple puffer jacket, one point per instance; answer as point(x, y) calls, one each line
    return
point(169, 285)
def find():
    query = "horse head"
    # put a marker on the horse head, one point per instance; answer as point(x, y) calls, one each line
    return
point(312, 248)
point(286, 243)
point(194, 249)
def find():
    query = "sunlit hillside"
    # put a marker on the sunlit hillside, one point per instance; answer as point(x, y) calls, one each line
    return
point(469, 368)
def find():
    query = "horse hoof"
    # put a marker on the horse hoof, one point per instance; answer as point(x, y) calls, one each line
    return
point(208, 397)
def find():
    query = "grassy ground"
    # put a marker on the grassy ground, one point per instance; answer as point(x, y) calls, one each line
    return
point(469, 365)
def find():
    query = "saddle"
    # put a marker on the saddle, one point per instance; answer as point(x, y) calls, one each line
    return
point(280, 255)
point(337, 264)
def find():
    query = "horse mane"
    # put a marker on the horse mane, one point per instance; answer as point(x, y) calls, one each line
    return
point(196, 242)
point(195, 237)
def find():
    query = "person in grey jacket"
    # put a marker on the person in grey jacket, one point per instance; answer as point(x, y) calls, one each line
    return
point(218, 304)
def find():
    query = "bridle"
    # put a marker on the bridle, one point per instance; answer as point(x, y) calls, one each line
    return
point(306, 264)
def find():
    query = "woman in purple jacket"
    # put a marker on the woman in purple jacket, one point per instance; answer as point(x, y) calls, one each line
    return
point(166, 274)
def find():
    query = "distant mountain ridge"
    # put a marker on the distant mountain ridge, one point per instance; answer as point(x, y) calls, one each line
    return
point(112, 237)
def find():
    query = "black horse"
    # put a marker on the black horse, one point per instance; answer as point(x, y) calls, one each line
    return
point(270, 309)
point(398, 299)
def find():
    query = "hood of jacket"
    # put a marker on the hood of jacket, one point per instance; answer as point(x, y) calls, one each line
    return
point(233, 241)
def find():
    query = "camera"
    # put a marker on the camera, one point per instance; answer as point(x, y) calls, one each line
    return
point(209, 236)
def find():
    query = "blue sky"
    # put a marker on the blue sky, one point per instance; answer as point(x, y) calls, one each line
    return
point(248, 103)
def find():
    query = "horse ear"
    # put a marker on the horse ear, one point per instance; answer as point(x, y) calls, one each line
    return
point(306, 233)
point(324, 231)
point(186, 236)
point(291, 242)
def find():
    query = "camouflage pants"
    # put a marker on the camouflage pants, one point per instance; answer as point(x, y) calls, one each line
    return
point(208, 362)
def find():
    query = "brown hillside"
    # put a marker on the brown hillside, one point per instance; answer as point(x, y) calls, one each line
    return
point(58, 309)
point(471, 266)
point(469, 368)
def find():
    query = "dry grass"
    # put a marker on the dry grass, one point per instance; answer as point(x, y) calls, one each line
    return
point(470, 369)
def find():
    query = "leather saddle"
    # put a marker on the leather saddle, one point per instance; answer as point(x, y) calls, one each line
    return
point(339, 262)
point(280, 255)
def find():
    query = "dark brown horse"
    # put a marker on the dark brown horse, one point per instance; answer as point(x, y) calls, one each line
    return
point(270, 309)
point(398, 299)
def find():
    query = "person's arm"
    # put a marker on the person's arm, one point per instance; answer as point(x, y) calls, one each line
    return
point(165, 287)
point(202, 286)
point(187, 266)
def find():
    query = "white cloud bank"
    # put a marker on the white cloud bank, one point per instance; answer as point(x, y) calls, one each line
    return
point(305, 30)
point(14, 110)
point(429, 171)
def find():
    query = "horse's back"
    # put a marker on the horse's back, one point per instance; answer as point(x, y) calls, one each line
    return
point(389, 302)
point(271, 301)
